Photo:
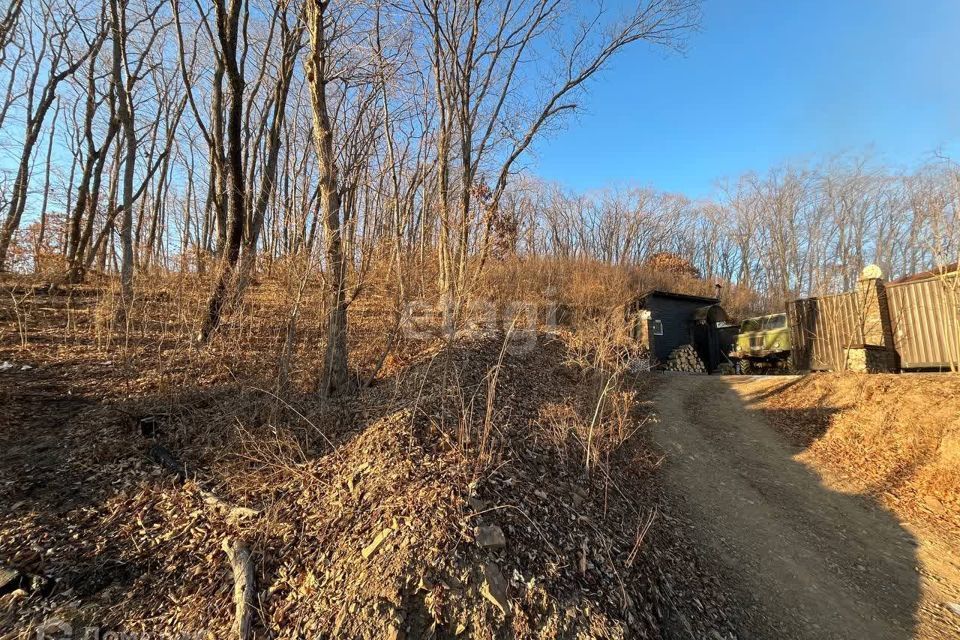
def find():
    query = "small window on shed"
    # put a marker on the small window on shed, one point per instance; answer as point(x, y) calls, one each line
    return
point(656, 327)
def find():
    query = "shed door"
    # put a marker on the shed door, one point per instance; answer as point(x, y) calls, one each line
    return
point(706, 341)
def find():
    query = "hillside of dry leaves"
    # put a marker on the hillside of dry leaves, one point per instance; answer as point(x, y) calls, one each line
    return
point(893, 437)
point(492, 486)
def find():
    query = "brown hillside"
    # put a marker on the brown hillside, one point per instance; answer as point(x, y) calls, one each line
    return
point(895, 437)
point(372, 516)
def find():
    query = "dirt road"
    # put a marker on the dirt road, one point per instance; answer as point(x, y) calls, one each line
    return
point(804, 561)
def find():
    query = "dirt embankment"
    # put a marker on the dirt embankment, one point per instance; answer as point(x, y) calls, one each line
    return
point(893, 437)
point(434, 504)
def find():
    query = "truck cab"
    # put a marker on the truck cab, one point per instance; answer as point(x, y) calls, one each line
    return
point(763, 341)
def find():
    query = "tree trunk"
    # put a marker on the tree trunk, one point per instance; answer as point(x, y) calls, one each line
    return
point(227, 27)
point(19, 196)
point(335, 375)
point(46, 192)
point(291, 43)
point(125, 116)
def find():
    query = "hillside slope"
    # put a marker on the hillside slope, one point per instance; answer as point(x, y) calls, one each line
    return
point(414, 509)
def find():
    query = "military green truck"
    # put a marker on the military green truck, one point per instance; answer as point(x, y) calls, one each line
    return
point(763, 343)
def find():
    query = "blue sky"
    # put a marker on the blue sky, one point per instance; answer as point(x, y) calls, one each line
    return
point(766, 82)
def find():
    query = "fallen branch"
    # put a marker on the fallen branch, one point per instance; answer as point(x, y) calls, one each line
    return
point(162, 456)
point(243, 586)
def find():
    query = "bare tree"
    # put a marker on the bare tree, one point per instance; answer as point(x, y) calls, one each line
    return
point(480, 54)
point(60, 44)
point(228, 53)
point(291, 42)
point(334, 376)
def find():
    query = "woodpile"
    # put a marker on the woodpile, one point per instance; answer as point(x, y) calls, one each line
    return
point(685, 359)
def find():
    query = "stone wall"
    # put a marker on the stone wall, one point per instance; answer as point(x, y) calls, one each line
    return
point(870, 359)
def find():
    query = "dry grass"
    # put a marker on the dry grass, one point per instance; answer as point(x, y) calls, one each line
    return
point(603, 414)
point(452, 436)
point(593, 288)
point(895, 437)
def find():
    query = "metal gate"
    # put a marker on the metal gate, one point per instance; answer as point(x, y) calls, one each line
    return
point(926, 322)
point(822, 329)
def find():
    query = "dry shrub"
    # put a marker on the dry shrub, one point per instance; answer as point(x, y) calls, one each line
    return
point(672, 263)
point(585, 286)
point(602, 416)
point(605, 344)
point(18, 316)
point(590, 429)
point(590, 288)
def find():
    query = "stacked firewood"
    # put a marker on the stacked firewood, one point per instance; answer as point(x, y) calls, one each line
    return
point(685, 359)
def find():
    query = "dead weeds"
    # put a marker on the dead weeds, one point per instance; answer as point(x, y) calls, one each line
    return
point(368, 517)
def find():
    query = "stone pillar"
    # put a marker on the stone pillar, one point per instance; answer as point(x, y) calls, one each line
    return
point(876, 328)
point(869, 359)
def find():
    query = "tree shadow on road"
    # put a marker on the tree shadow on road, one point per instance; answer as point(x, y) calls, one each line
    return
point(806, 561)
point(801, 426)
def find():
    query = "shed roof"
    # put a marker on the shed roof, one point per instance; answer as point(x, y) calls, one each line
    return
point(946, 270)
point(677, 296)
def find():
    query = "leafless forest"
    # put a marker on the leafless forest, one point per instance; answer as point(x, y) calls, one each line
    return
point(158, 137)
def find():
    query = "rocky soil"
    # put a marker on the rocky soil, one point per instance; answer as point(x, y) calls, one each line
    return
point(451, 499)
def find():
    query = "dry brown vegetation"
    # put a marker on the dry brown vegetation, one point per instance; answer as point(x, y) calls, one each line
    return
point(548, 444)
point(219, 217)
point(893, 437)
